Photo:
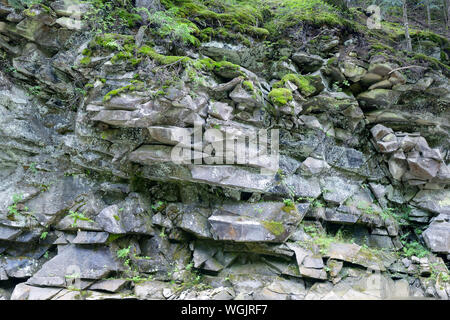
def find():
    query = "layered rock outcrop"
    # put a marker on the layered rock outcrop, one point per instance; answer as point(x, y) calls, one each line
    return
point(106, 192)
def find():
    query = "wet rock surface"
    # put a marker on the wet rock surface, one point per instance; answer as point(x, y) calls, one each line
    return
point(129, 165)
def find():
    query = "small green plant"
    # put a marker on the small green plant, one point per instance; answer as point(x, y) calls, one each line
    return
point(288, 202)
point(259, 210)
point(317, 204)
point(400, 215)
point(35, 90)
point(281, 174)
point(414, 248)
point(14, 209)
point(162, 233)
point(33, 167)
point(386, 213)
point(73, 276)
point(78, 216)
point(168, 25)
point(139, 279)
point(248, 85)
point(444, 276)
point(189, 266)
point(158, 206)
point(44, 235)
point(310, 230)
point(123, 253)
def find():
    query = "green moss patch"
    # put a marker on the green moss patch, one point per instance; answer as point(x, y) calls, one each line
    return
point(248, 85)
point(274, 227)
point(302, 82)
point(85, 61)
point(258, 19)
point(220, 67)
point(280, 96)
point(112, 41)
point(289, 13)
point(161, 59)
point(129, 88)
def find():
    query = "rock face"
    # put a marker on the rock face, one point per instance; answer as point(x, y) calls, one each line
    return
point(79, 262)
point(210, 164)
point(411, 159)
point(437, 236)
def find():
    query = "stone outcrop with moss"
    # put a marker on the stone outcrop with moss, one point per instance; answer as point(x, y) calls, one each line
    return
point(95, 99)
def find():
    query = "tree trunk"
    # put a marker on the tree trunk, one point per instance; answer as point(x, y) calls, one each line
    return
point(448, 14)
point(428, 14)
point(446, 5)
point(405, 22)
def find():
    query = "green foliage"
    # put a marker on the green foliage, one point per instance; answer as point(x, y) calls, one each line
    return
point(289, 13)
point(401, 215)
point(111, 41)
point(78, 216)
point(159, 206)
point(85, 61)
point(44, 235)
point(123, 253)
point(324, 241)
point(445, 277)
point(127, 18)
point(13, 209)
point(113, 237)
point(317, 204)
point(244, 16)
point(22, 4)
point(310, 230)
point(288, 202)
point(366, 207)
point(33, 167)
point(122, 55)
point(139, 279)
point(190, 279)
point(162, 234)
point(35, 90)
point(433, 62)
point(414, 248)
point(106, 16)
point(168, 25)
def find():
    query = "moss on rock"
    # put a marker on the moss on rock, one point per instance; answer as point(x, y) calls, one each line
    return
point(274, 227)
point(302, 82)
point(280, 96)
point(161, 59)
